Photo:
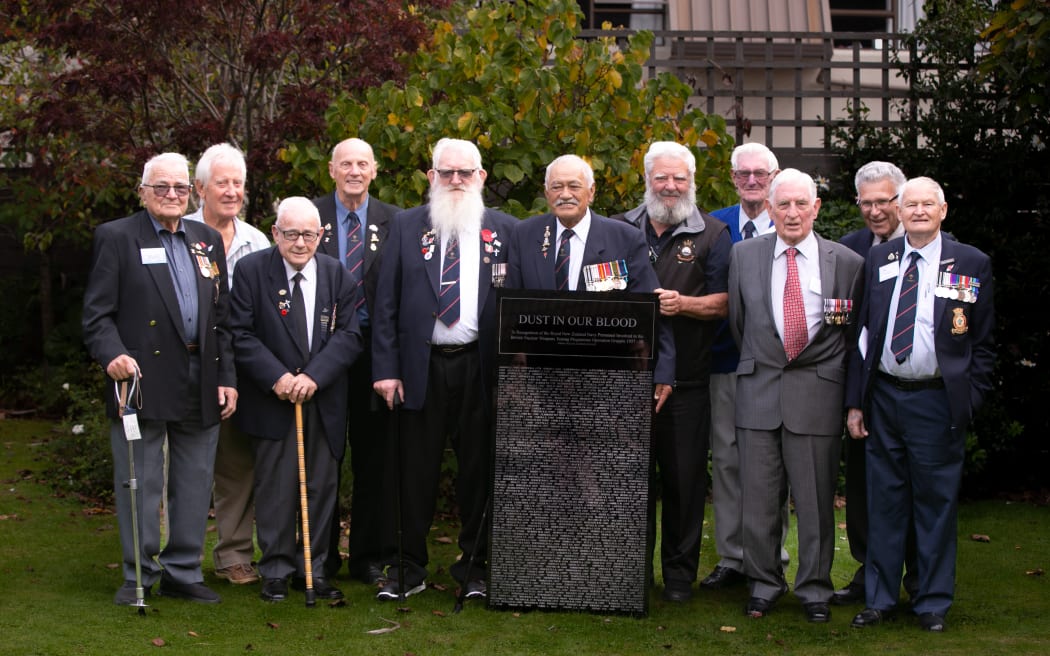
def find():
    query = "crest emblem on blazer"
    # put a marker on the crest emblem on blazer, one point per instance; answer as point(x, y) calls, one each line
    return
point(686, 251)
point(959, 325)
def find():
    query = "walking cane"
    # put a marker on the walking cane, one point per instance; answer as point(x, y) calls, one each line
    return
point(303, 507)
point(462, 596)
point(397, 501)
point(131, 432)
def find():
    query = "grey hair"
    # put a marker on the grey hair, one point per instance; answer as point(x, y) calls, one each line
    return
point(876, 171)
point(222, 152)
point(792, 175)
point(660, 149)
point(299, 203)
point(174, 158)
point(753, 148)
point(588, 172)
point(461, 145)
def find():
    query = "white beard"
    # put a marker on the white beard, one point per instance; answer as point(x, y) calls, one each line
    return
point(674, 215)
point(453, 213)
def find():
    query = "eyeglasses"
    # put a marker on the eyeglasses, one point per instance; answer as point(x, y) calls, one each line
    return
point(881, 203)
point(464, 174)
point(760, 175)
point(161, 190)
point(294, 235)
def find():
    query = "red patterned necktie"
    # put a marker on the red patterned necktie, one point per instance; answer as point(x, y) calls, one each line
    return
point(795, 332)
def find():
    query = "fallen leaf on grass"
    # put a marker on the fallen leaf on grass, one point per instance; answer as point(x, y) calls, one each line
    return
point(444, 539)
point(338, 603)
point(3, 517)
point(727, 629)
point(440, 587)
point(112, 565)
point(158, 642)
point(394, 626)
point(842, 526)
point(1038, 571)
point(977, 537)
point(515, 614)
point(273, 625)
point(437, 613)
point(193, 634)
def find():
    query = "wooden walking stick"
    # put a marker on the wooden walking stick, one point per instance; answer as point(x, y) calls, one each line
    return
point(303, 508)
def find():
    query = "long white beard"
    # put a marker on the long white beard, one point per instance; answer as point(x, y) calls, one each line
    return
point(454, 213)
point(674, 215)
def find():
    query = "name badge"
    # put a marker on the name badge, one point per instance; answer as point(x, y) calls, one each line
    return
point(131, 423)
point(153, 255)
point(888, 271)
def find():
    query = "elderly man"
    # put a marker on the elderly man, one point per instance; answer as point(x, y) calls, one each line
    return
point(579, 239)
point(295, 335)
point(877, 185)
point(790, 310)
point(219, 178)
point(927, 367)
point(356, 229)
point(754, 167)
point(156, 305)
point(691, 252)
point(433, 344)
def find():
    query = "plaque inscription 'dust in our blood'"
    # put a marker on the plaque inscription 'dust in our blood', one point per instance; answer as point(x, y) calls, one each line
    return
point(572, 451)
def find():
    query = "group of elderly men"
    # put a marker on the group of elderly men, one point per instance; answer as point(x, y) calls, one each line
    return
point(363, 315)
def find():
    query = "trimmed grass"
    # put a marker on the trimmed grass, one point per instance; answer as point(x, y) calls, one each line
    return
point(58, 574)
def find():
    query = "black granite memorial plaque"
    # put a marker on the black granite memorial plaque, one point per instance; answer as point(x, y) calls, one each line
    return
point(571, 469)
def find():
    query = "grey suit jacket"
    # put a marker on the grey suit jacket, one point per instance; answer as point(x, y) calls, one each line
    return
point(805, 395)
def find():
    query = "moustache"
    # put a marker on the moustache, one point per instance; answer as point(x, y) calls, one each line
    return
point(566, 201)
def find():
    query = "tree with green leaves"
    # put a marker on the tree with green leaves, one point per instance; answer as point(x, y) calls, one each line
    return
point(516, 79)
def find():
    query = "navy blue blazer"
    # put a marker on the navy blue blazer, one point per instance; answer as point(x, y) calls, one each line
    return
point(265, 345)
point(607, 240)
point(131, 307)
point(858, 241)
point(407, 300)
point(963, 337)
point(379, 214)
point(731, 217)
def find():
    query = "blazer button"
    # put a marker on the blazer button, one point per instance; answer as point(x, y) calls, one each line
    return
point(156, 353)
point(152, 322)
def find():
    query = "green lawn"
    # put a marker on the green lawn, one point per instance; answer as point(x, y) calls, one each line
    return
point(58, 573)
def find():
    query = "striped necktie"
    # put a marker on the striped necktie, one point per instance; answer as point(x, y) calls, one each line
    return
point(904, 322)
point(448, 300)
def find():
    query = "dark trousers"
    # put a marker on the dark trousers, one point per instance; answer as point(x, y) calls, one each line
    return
point(371, 506)
point(681, 433)
point(278, 501)
point(455, 408)
point(915, 463)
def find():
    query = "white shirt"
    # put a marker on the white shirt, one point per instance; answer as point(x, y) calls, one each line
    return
point(763, 222)
point(465, 330)
point(808, 262)
point(308, 285)
point(922, 361)
point(577, 243)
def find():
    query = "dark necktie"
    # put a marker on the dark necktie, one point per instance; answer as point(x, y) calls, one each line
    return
point(355, 252)
point(561, 265)
point(749, 230)
point(904, 323)
point(448, 301)
point(302, 337)
point(795, 332)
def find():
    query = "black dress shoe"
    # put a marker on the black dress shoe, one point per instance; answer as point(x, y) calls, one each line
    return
point(850, 594)
point(322, 588)
point(126, 595)
point(371, 574)
point(274, 590)
point(870, 617)
point(195, 592)
point(757, 607)
point(677, 592)
point(931, 622)
point(817, 612)
point(723, 577)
